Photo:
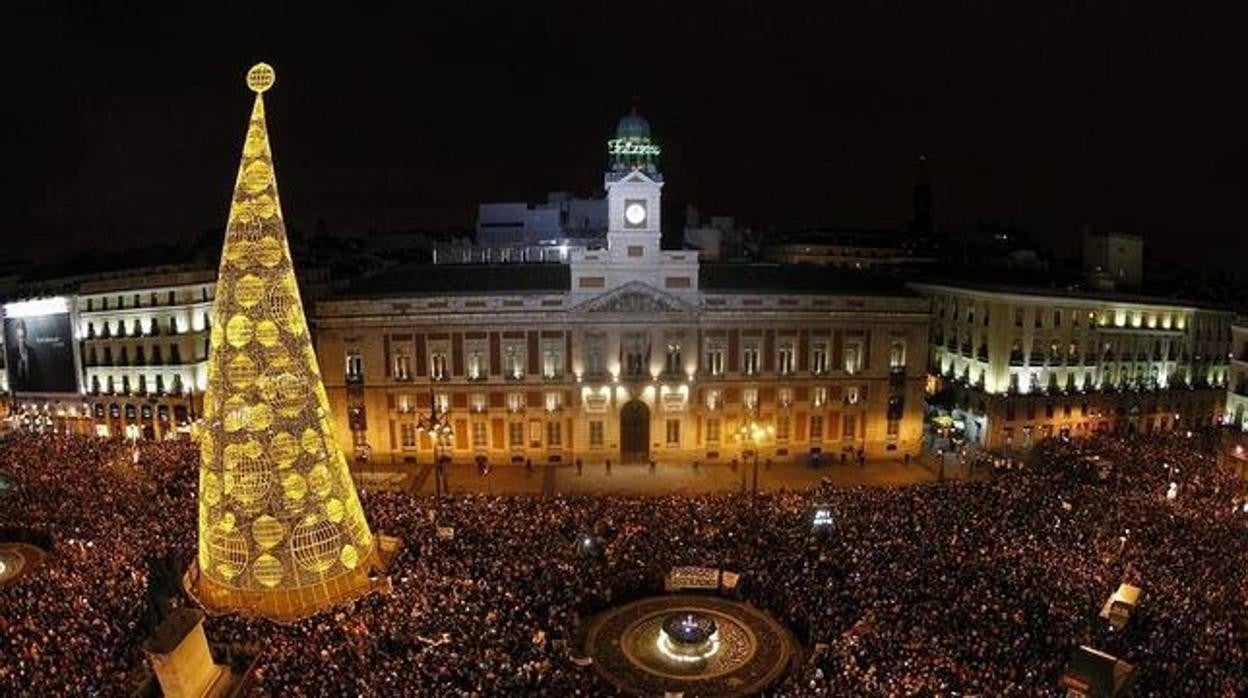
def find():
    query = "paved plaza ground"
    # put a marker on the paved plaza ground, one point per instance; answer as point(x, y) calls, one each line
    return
point(597, 479)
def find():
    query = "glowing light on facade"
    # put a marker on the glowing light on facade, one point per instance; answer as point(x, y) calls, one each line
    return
point(281, 529)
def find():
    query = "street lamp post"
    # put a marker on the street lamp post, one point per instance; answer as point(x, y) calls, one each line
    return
point(752, 434)
point(437, 424)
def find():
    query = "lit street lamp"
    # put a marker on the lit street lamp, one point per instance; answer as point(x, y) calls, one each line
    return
point(438, 425)
point(751, 434)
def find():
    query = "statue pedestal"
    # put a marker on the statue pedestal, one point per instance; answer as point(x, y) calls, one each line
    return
point(178, 652)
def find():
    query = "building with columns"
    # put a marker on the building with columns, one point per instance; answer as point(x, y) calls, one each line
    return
point(1023, 364)
point(626, 352)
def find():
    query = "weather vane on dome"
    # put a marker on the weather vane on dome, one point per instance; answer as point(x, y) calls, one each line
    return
point(261, 77)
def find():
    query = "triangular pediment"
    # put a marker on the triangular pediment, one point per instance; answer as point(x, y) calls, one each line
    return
point(637, 176)
point(635, 298)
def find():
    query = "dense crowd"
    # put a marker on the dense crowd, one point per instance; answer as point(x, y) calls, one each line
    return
point(979, 588)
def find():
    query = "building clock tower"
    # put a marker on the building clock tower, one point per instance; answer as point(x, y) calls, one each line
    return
point(634, 190)
point(634, 194)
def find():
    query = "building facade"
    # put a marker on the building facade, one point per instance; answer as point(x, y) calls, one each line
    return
point(1237, 383)
point(144, 348)
point(626, 353)
point(1022, 365)
point(136, 366)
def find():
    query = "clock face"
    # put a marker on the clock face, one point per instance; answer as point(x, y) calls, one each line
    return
point(635, 213)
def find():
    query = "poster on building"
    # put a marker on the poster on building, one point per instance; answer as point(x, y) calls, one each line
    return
point(39, 347)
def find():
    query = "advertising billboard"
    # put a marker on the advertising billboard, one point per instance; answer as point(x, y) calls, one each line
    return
point(39, 347)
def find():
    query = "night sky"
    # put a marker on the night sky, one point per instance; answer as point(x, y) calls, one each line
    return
point(124, 127)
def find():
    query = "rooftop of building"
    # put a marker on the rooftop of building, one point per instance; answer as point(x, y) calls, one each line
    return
point(1069, 290)
point(513, 278)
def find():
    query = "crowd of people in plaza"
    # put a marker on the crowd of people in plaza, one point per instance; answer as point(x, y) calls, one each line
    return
point(980, 588)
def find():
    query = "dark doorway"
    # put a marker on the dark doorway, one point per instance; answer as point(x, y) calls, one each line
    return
point(635, 432)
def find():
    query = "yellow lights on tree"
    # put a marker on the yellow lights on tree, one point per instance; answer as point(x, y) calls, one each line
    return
point(281, 531)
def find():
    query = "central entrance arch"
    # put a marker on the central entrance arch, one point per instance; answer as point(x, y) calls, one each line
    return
point(635, 432)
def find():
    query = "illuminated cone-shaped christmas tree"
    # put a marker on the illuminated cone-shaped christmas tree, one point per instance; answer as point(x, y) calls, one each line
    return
point(281, 530)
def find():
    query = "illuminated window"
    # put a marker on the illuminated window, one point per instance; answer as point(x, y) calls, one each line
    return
point(554, 435)
point(816, 427)
point(514, 366)
point(407, 435)
point(750, 359)
point(849, 427)
point(715, 360)
point(404, 403)
point(782, 427)
point(853, 356)
point(593, 360)
point(673, 364)
point(595, 434)
point(714, 399)
point(897, 355)
point(818, 396)
point(712, 431)
point(673, 432)
point(749, 398)
point(554, 401)
point(784, 359)
point(515, 434)
point(439, 366)
point(480, 437)
point(442, 402)
point(515, 402)
point(784, 396)
point(477, 402)
point(819, 358)
point(354, 365)
point(552, 362)
point(476, 365)
point(402, 367)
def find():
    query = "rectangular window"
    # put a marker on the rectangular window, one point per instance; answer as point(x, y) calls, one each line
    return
point(819, 358)
point(676, 282)
point(476, 365)
point(402, 367)
point(554, 401)
point(554, 436)
point(442, 402)
point(712, 431)
point(480, 435)
point(894, 427)
point(636, 251)
point(514, 364)
point(407, 434)
point(552, 362)
point(355, 365)
point(439, 366)
point(849, 426)
point(477, 402)
point(818, 396)
point(592, 282)
point(749, 398)
point(784, 359)
point(673, 432)
point(816, 427)
point(714, 399)
point(782, 427)
point(749, 360)
point(515, 434)
point(593, 361)
point(853, 356)
point(595, 434)
point(784, 396)
point(515, 402)
point(673, 365)
point(715, 361)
